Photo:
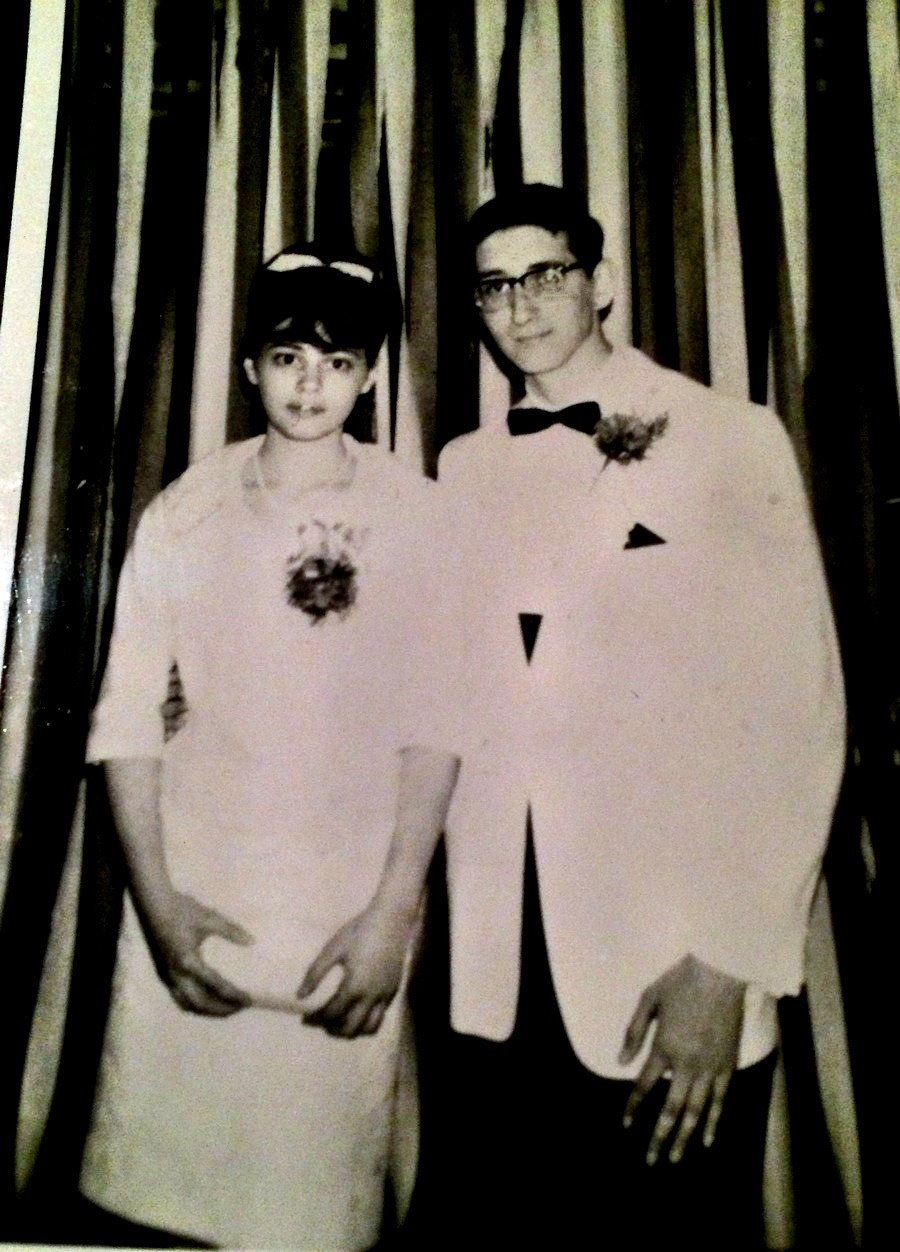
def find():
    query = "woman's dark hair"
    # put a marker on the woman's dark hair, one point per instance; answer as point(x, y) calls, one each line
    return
point(305, 294)
point(537, 204)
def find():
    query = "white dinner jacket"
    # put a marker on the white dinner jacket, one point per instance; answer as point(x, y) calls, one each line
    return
point(679, 731)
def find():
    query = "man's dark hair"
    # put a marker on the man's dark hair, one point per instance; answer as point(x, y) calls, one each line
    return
point(537, 204)
point(320, 304)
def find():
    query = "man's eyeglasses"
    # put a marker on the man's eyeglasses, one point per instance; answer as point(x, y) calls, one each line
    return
point(544, 282)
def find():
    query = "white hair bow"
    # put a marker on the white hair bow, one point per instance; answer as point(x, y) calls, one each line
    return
point(287, 261)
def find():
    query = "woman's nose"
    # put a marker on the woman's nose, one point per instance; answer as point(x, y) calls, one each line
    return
point(309, 377)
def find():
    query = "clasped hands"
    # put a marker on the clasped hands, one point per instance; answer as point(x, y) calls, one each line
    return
point(370, 948)
point(699, 1013)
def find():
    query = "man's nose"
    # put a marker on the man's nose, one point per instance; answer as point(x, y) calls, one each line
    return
point(520, 306)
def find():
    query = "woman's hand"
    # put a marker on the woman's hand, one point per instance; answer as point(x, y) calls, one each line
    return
point(371, 948)
point(175, 934)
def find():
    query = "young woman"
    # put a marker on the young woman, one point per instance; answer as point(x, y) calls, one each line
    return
point(276, 844)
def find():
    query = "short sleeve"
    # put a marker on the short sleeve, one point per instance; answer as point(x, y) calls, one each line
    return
point(127, 721)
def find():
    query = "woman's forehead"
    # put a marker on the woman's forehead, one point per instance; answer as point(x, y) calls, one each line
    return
point(304, 345)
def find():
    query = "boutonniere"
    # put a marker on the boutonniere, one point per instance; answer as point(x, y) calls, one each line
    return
point(322, 576)
point(625, 437)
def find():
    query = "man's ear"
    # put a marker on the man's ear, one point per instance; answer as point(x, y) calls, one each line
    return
point(250, 371)
point(368, 384)
point(606, 282)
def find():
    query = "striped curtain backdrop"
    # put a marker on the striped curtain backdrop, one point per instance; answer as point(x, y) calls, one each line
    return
point(744, 159)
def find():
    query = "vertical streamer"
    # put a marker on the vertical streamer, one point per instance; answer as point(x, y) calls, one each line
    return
point(27, 157)
point(787, 354)
point(396, 77)
point(18, 682)
point(362, 123)
point(540, 103)
point(788, 113)
point(398, 421)
point(826, 1012)
point(28, 372)
point(255, 62)
point(82, 439)
point(493, 385)
point(746, 59)
point(687, 215)
point(721, 239)
point(137, 86)
point(664, 145)
point(292, 136)
point(606, 112)
point(214, 363)
point(153, 432)
point(273, 236)
point(388, 367)
point(317, 36)
point(489, 40)
point(25, 625)
point(443, 355)
point(13, 55)
point(333, 220)
point(421, 257)
point(855, 441)
point(884, 59)
point(570, 23)
point(506, 146)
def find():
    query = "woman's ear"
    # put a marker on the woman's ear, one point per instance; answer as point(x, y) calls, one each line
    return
point(250, 371)
point(368, 384)
point(606, 282)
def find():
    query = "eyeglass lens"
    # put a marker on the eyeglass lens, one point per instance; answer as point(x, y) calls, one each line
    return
point(538, 283)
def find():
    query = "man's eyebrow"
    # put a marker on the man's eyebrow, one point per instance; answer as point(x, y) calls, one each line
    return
point(535, 265)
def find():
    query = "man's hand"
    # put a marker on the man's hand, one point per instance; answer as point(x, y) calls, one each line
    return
point(371, 948)
point(175, 935)
point(699, 1012)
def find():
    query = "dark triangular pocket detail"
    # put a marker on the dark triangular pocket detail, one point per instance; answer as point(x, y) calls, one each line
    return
point(531, 624)
point(640, 537)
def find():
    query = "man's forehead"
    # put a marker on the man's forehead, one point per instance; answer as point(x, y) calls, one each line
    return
point(517, 248)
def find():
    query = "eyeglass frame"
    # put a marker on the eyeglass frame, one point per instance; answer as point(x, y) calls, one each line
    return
point(536, 271)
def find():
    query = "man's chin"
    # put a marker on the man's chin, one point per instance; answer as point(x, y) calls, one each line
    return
point(535, 356)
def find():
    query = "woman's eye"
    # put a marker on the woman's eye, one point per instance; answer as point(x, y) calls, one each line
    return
point(341, 363)
point(284, 358)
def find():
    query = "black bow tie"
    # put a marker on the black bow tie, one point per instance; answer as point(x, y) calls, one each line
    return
point(583, 417)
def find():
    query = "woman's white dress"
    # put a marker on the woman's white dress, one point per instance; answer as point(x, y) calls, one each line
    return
point(278, 804)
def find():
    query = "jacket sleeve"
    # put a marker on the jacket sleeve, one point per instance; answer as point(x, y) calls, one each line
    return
point(771, 743)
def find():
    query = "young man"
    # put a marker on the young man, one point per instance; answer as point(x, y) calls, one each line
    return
point(653, 748)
